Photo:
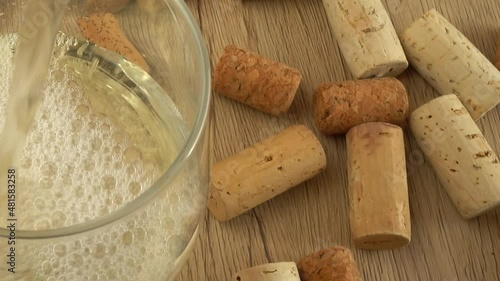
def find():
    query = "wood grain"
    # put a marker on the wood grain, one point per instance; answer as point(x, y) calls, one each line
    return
point(314, 215)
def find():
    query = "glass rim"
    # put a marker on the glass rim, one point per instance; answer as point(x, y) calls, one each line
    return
point(195, 136)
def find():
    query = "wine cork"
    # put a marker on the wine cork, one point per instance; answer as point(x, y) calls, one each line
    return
point(463, 160)
point(451, 63)
point(280, 271)
point(256, 81)
point(103, 29)
point(332, 264)
point(366, 37)
point(340, 106)
point(263, 171)
point(497, 58)
point(113, 6)
point(378, 188)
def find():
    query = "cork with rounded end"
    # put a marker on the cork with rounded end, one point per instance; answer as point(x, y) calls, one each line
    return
point(451, 63)
point(103, 29)
point(263, 171)
point(110, 6)
point(340, 106)
point(256, 81)
point(378, 188)
point(464, 162)
point(280, 271)
point(366, 37)
point(332, 264)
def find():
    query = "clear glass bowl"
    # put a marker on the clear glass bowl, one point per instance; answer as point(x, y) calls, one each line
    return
point(114, 175)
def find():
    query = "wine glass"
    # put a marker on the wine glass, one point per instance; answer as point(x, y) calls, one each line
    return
point(111, 175)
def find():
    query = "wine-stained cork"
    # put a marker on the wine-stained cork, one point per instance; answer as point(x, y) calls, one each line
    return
point(110, 6)
point(332, 264)
point(463, 160)
point(263, 171)
point(340, 106)
point(366, 37)
point(256, 81)
point(378, 188)
point(451, 63)
point(497, 58)
point(103, 29)
point(280, 271)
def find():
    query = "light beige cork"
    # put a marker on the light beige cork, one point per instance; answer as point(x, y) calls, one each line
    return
point(332, 264)
point(340, 106)
point(366, 37)
point(464, 162)
point(378, 188)
point(256, 81)
point(451, 63)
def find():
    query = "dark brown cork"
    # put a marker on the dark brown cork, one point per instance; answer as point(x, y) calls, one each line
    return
point(340, 106)
point(256, 81)
point(332, 264)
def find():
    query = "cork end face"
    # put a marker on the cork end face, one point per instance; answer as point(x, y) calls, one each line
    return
point(390, 69)
point(405, 37)
point(377, 127)
point(336, 263)
point(323, 116)
point(477, 112)
point(216, 205)
point(443, 105)
point(432, 13)
point(219, 78)
point(280, 103)
point(444, 99)
point(381, 242)
point(487, 207)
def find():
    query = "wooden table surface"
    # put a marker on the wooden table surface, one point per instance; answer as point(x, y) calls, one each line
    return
point(314, 215)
